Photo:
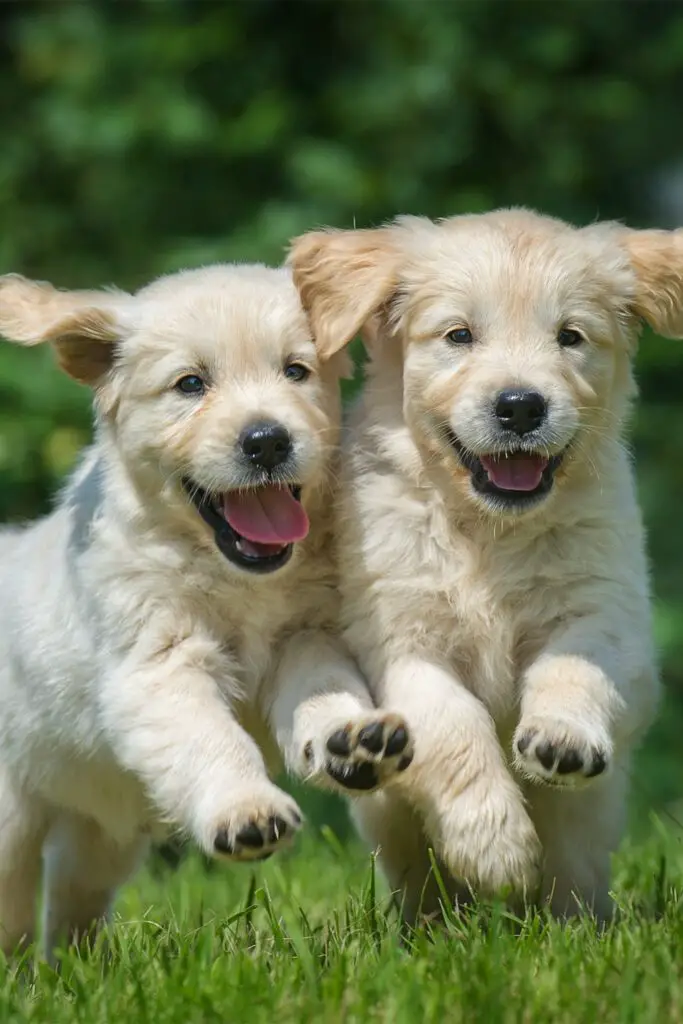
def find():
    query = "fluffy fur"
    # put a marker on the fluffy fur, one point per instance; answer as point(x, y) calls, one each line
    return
point(515, 638)
point(147, 681)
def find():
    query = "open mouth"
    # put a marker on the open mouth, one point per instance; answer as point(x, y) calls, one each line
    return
point(513, 479)
point(255, 529)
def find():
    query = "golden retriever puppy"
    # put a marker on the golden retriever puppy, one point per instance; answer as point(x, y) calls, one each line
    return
point(169, 629)
point(493, 569)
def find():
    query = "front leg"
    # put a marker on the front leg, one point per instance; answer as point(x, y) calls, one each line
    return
point(584, 703)
point(473, 809)
point(591, 689)
point(170, 724)
point(324, 720)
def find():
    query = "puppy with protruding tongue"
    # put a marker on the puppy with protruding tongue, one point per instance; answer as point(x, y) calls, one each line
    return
point(267, 519)
point(521, 471)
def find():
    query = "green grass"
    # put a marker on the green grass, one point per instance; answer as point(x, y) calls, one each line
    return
point(312, 938)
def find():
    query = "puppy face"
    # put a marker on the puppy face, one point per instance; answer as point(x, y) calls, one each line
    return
point(515, 355)
point(515, 333)
point(211, 389)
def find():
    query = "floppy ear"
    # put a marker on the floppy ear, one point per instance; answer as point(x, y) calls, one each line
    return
point(657, 259)
point(343, 278)
point(82, 326)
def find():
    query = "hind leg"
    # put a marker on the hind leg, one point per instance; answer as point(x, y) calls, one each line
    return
point(390, 826)
point(83, 869)
point(23, 824)
point(579, 830)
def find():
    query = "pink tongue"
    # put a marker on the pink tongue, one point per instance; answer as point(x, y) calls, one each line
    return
point(518, 472)
point(266, 515)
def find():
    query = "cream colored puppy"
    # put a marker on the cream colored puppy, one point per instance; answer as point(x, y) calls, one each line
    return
point(493, 566)
point(168, 631)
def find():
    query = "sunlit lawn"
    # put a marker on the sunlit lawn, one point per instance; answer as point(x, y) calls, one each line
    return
point(311, 937)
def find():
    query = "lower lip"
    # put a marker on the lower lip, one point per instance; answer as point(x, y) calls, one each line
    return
point(510, 499)
point(228, 546)
point(226, 539)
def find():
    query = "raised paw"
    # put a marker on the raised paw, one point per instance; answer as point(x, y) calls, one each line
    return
point(363, 754)
point(258, 827)
point(558, 752)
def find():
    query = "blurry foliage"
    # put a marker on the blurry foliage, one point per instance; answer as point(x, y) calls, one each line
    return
point(140, 137)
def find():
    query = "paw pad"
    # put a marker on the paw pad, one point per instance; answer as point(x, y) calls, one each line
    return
point(362, 755)
point(555, 753)
point(339, 743)
point(258, 838)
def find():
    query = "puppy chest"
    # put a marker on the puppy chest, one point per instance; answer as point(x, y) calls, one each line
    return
point(272, 614)
point(493, 609)
point(492, 640)
point(463, 626)
point(481, 645)
point(487, 637)
point(253, 654)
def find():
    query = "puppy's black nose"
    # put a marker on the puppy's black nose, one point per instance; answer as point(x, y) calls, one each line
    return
point(266, 444)
point(520, 411)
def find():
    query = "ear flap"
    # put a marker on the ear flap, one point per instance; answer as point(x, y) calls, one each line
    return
point(343, 278)
point(82, 326)
point(657, 259)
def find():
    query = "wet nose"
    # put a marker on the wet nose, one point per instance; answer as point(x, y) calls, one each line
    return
point(520, 411)
point(266, 444)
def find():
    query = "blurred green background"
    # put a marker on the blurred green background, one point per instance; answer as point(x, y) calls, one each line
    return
point(140, 137)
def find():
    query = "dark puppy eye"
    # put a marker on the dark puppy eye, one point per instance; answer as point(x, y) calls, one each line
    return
point(460, 336)
point(297, 371)
point(191, 385)
point(569, 338)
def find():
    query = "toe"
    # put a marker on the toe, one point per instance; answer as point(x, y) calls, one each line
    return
point(221, 843)
point(250, 836)
point(339, 743)
point(358, 776)
point(397, 742)
point(598, 766)
point(570, 762)
point(545, 753)
point(523, 742)
point(277, 827)
point(372, 737)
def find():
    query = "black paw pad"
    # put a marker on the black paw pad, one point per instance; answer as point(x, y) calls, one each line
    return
point(221, 843)
point(598, 766)
point(397, 742)
point(277, 827)
point(571, 761)
point(250, 836)
point(339, 743)
point(405, 762)
point(358, 776)
point(545, 752)
point(524, 742)
point(372, 737)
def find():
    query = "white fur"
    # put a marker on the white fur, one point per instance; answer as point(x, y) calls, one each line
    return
point(482, 627)
point(145, 681)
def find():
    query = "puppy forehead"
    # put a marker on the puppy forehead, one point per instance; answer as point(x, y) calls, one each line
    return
point(248, 312)
point(512, 261)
